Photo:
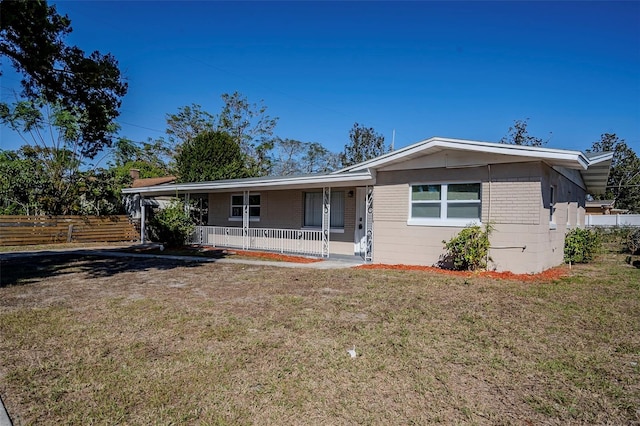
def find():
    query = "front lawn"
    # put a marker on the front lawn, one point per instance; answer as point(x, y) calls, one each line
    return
point(147, 341)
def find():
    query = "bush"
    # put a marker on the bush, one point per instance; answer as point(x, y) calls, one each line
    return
point(171, 225)
point(581, 245)
point(468, 250)
point(633, 241)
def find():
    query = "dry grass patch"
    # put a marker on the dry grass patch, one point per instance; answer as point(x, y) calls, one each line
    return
point(95, 340)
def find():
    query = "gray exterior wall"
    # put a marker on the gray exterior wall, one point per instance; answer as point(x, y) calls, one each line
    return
point(515, 200)
point(284, 209)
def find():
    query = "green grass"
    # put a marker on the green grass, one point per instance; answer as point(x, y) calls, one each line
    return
point(93, 340)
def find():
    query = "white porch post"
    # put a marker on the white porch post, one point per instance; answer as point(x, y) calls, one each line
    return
point(143, 215)
point(326, 220)
point(245, 220)
point(368, 250)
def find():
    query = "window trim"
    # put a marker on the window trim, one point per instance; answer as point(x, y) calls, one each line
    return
point(232, 218)
point(443, 220)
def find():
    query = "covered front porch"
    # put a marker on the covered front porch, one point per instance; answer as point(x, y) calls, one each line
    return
point(320, 216)
point(307, 239)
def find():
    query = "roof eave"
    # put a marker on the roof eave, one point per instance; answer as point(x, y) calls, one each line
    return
point(250, 184)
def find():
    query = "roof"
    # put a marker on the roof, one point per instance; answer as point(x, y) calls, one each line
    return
point(261, 183)
point(593, 167)
point(146, 182)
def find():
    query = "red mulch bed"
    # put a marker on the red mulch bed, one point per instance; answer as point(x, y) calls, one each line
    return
point(274, 256)
point(549, 274)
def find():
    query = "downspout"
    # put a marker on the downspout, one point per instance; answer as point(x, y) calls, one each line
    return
point(489, 213)
point(486, 261)
point(143, 214)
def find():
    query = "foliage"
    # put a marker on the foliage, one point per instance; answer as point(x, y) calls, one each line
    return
point(99, 192)
point(186, 124)
point(146, 157)
point(318, 159)
point(211, 156)
point(633, 241)
point(581, 245)
point(248, 124)
point(365, 144)
point(22, 180)
point(519, 135)
point(251, 128)
point(623, 184)
point(47, 176)
point(469, 250)
point(171, 225)
point(295, 157)
point(88, 87)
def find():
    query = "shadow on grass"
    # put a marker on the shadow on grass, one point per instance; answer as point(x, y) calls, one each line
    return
point(28, 268)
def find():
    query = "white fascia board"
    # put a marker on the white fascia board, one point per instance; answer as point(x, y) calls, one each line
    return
point(600, 158)
point(550, 155)
point(364, 178)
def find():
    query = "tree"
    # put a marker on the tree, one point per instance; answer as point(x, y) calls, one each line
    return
point(251, 128)
point(247, 123)
point(211, 156)
point(318, 159)
point(32, 36)
point(147, 157)
point(365, 144)
point(53, 136)
point(623, 184)
point(189, 122)
point(519, 135)
point(22, 180)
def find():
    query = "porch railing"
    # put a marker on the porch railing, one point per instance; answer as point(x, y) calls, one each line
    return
point(294, 241)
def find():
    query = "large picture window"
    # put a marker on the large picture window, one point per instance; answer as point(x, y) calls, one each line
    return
point(313, 209)
point(254, 206)
point(446, 204)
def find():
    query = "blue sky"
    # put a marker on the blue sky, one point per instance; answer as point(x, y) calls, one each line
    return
point(456, 69)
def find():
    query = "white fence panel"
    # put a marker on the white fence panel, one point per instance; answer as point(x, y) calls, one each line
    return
point(612, 220)
point(269, 239)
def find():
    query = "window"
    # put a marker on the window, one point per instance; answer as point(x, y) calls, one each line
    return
point(237, 204)
point(313, 209)
point(445, 204)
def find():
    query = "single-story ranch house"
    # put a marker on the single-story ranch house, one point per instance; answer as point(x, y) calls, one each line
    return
point(399, 207)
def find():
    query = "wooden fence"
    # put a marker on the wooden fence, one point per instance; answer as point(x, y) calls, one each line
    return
point(26, 230)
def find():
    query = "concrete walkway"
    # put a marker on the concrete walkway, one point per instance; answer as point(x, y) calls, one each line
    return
point(4, 417)
point(335, 262)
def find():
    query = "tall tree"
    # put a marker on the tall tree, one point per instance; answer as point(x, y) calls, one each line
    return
point(519, 135)
point(319, 159)
point(296, 157)
point(32, 36)
point(53, 137)
point(623, 184)
point(186, 124)
point(211, 156)
point(147, 157)
point(251, 128)
point(365, 144)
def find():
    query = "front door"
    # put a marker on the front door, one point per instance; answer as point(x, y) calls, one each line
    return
point(360, 237)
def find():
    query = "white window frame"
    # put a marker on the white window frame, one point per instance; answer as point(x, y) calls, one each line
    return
point(443, 220)
point(233, 218)
point(333, 230)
